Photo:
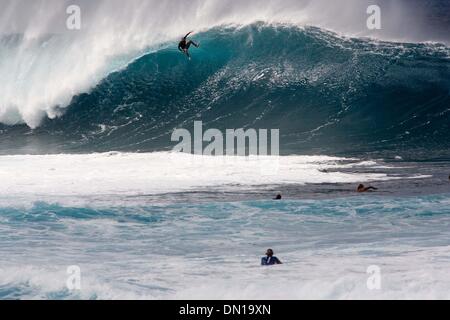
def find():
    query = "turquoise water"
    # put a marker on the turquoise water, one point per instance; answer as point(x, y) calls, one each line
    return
point(326, 93)
point(213, 250)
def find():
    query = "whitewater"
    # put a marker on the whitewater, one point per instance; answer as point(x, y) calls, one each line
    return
point(173, 226)
point(88, 178)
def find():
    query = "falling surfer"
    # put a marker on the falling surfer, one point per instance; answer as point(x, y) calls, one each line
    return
point(185, 44)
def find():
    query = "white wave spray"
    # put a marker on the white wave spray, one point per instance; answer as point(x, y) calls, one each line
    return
point(43, 65)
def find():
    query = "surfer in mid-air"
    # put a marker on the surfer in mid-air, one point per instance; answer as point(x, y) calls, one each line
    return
point(184, 45)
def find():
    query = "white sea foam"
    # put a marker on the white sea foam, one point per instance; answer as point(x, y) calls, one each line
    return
point(41, 71)
point(212, 251)
point(128, 174)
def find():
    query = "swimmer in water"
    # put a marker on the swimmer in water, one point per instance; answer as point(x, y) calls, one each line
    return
point(362, 188)
point(269, 259)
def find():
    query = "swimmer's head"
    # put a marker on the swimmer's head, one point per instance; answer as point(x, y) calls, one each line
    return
point(269, 252)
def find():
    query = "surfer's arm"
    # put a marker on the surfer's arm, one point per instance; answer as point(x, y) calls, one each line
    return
point(185, 37)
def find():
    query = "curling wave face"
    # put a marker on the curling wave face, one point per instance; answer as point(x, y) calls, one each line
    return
point(326, 93)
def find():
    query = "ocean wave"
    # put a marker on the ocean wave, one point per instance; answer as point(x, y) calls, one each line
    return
point(323, 91)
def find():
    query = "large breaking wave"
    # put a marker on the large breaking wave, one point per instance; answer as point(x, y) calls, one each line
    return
point(326, 93)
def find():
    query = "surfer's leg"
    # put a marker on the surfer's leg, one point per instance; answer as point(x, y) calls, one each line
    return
point(188, 44)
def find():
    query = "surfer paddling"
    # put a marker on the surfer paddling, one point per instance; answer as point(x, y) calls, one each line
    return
point(185, 44)
point(362, 188)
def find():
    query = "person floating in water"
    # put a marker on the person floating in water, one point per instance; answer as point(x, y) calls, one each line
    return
point(278, 197)
point(270, 260)
point(185, 44)
point(362, 188)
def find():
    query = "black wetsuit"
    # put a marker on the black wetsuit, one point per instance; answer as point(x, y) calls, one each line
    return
point(185, 44)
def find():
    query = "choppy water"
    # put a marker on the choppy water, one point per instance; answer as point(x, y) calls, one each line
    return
point(212, 250)
point(156, 240)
